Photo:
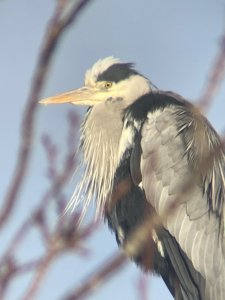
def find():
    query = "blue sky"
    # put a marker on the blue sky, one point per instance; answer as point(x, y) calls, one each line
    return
point(173, 43)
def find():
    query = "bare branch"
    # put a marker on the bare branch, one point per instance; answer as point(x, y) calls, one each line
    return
point(41, 271)
point(142, 287)
point(60, 242)
point(112, 264)
point(55, 30)
point(215, 79)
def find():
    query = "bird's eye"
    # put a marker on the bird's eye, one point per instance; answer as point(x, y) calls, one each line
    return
point(108, 84)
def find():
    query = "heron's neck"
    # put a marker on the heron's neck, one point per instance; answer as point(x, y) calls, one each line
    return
point(101, 133)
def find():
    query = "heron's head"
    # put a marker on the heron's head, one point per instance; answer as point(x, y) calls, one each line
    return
point(108, 80)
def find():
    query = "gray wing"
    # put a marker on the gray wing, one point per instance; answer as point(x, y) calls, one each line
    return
point(190, 284)
point(187, 193)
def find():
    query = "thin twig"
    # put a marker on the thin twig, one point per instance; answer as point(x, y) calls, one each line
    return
point(42, 269)
point(113, 264)
point(60, 242)
point(37, 217)
point(142, 287)
point(215, 79)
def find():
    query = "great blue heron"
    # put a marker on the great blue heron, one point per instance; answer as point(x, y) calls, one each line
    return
point(151, 153)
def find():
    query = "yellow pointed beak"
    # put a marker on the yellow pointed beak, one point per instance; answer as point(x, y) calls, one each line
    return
point(82, 96)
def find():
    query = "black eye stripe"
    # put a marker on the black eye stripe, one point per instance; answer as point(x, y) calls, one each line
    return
point(117, 72)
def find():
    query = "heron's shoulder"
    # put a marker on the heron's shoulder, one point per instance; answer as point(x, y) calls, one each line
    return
point(166, 116)
point(153, 101)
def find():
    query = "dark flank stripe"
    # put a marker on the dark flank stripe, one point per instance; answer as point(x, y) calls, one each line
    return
point(117, 72)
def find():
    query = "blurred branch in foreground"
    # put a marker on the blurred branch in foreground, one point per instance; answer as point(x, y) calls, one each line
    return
point(215, 78)
point(142, 287)
point(57, 26)
point(99, 276)
point(65, 236)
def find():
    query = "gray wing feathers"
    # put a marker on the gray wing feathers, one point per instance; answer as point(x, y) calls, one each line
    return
point(205, 154)
point(173, 178)
point(191, 282)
